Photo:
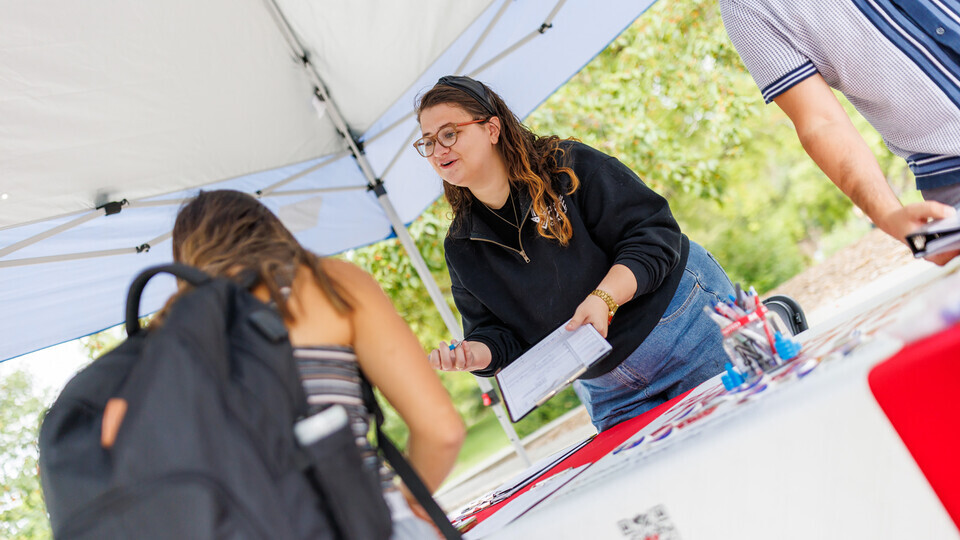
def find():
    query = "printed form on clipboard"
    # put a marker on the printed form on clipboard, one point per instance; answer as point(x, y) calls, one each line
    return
point(548, 367)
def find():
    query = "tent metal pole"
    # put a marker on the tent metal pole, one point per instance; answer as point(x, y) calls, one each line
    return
point(453, 327)
point(76, 222)
point(68, 257)
point(476, 45)
point(546, 25)
point(463, 63)
point(446, 313)
point(277, 185)
point(331, 110)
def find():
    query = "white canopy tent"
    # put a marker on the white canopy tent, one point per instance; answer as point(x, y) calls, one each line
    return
point(113, 112)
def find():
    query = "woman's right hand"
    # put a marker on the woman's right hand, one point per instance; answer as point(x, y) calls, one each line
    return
point(463, 356)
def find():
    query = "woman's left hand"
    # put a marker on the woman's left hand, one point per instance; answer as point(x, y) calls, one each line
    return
point(593, 310)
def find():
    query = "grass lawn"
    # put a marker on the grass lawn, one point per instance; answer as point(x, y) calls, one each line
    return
point(483, 440)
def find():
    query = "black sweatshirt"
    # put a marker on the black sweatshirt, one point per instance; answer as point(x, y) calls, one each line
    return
point(510, 299)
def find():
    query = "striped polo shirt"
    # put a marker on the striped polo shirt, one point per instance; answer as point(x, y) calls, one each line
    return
point(897, 61)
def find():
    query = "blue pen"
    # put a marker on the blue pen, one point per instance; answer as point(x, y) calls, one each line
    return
point(732, 304)
point(724, 309)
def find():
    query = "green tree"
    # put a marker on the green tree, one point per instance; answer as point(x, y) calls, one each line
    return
point(671, 99)
point(99, 344)
point(22, 511)
point(668, 97)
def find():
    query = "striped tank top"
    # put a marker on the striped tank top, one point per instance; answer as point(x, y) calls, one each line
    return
point(330, 376)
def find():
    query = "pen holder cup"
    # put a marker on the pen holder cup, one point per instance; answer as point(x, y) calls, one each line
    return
point(749, 347)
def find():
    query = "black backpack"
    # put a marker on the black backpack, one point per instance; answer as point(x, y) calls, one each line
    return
point(206, 406)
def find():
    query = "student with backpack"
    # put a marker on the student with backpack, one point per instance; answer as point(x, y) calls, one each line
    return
point(242, 411)
point(340, 324)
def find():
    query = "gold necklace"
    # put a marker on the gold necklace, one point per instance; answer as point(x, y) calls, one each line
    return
point(516, 219)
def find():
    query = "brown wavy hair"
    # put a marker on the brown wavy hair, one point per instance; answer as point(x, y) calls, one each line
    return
point(531, 160)
point(227, 233)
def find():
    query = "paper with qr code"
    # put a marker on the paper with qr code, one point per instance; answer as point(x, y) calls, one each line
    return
point(654, 524)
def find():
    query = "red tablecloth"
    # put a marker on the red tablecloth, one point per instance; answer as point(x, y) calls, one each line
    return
point(600, 446)
point(915, 388)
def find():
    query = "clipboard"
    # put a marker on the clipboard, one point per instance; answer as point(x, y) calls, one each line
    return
point(548, 367)
point(936, 236)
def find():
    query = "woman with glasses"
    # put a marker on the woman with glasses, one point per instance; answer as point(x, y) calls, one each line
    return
point(549, 231)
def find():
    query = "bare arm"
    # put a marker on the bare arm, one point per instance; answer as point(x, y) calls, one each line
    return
point(392, 359)
point(831, 140)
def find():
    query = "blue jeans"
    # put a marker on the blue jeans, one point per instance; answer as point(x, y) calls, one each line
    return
point(682, 351)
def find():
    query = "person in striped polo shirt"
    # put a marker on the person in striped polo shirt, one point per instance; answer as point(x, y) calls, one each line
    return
point(897, 61)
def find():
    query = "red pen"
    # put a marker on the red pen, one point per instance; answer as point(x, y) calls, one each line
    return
point(738, 323)
point(761, 312)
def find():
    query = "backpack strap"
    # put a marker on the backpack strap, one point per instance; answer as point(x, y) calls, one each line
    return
point(187, 273)
point(403, 468)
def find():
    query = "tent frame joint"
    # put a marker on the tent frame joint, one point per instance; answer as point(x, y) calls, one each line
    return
point(378, 188)
point(113, 207)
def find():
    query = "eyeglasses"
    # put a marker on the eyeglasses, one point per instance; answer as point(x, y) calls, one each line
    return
point(446, 137)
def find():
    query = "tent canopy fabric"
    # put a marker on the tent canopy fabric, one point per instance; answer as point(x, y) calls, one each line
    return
point(141, 104)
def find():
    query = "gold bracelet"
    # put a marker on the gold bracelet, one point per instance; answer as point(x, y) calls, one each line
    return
point(607, 299)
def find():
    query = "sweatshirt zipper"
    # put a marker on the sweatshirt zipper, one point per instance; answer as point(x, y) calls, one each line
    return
point(521, 251)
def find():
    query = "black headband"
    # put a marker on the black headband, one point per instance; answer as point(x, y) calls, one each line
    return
point(473, 88)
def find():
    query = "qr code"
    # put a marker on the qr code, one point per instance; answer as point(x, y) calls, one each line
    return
point(654, 524)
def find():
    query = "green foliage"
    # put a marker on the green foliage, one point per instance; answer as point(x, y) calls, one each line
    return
point(99, 344)
point(484, 439)
point(671, 99)
point(564, 401)
point(668, 97)
point(390, 265)
point(22, 511)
